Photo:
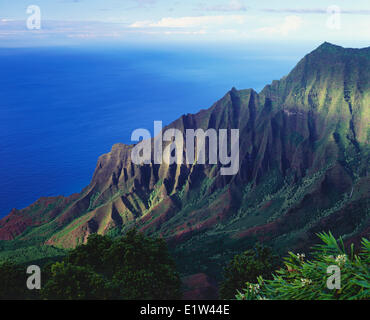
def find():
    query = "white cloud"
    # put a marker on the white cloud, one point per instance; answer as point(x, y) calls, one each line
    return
point(189, 22)
point(6, 20)
point(290, 24)
point(186, 32)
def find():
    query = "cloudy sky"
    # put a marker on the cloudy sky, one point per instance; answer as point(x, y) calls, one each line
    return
point(147, 21)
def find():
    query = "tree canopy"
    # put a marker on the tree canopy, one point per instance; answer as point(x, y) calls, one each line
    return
point(131, 267)
point(246, 267)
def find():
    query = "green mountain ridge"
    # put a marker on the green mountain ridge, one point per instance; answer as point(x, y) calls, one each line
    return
point(304, 159)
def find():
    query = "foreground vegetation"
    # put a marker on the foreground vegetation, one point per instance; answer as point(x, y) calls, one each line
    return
point(131, 267)
point(303, 279)
point(246, 267)
point(138, 267)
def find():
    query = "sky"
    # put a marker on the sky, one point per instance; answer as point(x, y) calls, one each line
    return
point(196, 21)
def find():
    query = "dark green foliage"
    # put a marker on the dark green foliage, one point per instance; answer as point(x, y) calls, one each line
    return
point(142, 268)
point(92, 254)
point(21, 252)
point(69, 281)
point(131, 267)
point(246, 267)
point(13, 281)
point(307, 280)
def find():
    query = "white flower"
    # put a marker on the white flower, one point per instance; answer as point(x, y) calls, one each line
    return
point(305, 282)
point(301, 256)
point(341, 259)
point(254, 288)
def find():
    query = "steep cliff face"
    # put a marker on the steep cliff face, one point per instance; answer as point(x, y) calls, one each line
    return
point(304, 159)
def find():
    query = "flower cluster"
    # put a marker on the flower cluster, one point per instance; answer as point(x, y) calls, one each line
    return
point(255, 288)
point(301, 256)
point(305, 282)
point(341, 259)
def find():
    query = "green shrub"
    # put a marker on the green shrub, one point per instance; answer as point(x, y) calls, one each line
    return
point(246, 267)
point(13, 281)
point(71, 282)
point(307, 279)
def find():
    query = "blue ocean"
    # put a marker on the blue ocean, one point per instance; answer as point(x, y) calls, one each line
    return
point(61, 108)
